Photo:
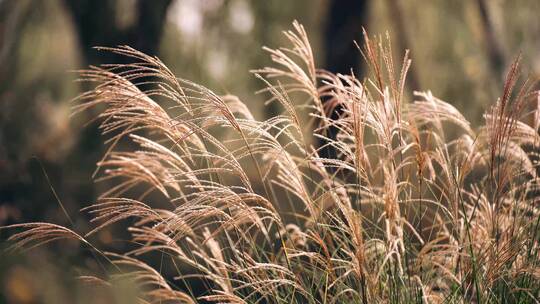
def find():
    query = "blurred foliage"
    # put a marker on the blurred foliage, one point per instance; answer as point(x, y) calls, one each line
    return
point(216, 43)
point(449, 49)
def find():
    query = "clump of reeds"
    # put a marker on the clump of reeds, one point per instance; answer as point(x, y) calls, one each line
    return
point(416, 207)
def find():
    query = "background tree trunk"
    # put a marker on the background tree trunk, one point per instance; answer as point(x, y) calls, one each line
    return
point(96, 23)
point(343, 27)
point(494, 49)
point(403, 42)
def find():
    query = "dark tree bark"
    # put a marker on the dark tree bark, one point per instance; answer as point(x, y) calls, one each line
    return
point(343, 27)
point(95, 22)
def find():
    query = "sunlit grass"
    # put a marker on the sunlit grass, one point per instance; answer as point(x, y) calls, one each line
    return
point(416, 207)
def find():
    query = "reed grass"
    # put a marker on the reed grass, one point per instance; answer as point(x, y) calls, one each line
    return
point(417, 206)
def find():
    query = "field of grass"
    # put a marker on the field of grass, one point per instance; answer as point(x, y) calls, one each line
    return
point(353, 194)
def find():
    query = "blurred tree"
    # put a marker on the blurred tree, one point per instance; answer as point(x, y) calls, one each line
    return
point(138, 24)
point(31, 118)
point(343, 27)
point(493, 45)
point(395, 10)
point(34, 89)
point(13, 18)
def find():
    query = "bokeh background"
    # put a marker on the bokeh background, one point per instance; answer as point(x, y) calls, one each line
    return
point(460, 51)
